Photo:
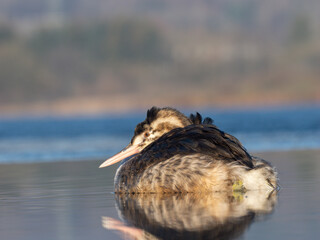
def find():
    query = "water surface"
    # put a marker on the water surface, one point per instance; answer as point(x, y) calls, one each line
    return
point(74, 200)
point(51, 186)
point(45, 139)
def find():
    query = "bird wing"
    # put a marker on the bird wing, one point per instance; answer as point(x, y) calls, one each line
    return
point(200, 138)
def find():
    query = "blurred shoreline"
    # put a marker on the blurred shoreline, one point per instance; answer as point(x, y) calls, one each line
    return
point(128, 56)
point(128, 104)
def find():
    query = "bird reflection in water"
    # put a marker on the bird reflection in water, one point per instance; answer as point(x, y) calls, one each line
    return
point(217, 215)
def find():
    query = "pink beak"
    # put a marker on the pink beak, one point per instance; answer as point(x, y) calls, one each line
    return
point(124, 153)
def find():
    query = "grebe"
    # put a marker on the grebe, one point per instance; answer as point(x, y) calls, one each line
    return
point(172, 153)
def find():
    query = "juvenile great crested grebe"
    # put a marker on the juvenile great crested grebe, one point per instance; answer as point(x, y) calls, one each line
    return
point(174, 153)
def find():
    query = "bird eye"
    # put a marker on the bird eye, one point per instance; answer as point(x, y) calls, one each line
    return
point(146, 134)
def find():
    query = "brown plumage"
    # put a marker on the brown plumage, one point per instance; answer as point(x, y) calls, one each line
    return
point(175, 153)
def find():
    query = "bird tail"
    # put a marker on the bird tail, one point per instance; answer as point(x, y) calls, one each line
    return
point(262, 176)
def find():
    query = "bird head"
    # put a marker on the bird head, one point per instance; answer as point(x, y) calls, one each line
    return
point(158, 122)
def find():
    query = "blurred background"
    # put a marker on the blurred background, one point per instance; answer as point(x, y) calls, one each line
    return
point(75, 56)
point(77, 76)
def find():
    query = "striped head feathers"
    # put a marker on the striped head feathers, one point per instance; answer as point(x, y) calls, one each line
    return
point(162, 120)
point(158, 122)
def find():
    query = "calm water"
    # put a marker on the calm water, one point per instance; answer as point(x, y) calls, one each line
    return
point(56, 139)
point(62, 199)
point(73, 200)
